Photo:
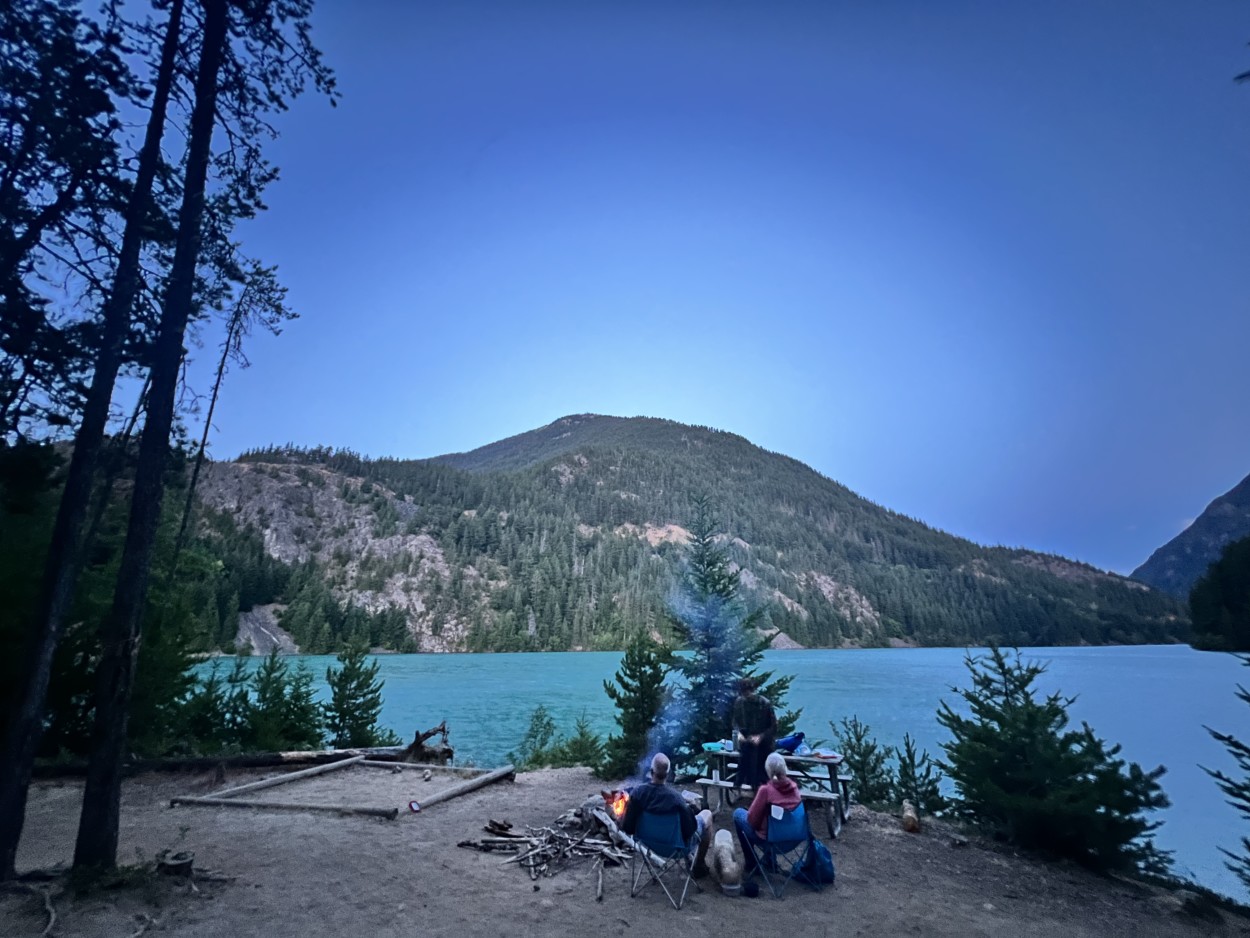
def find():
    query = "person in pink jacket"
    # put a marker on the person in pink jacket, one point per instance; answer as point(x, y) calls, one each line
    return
point(752, 824)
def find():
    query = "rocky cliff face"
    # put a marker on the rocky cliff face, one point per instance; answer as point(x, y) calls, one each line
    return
point(1177, 565)
point(355, 531)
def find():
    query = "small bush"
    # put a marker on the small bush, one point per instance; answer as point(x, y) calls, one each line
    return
point(867, 760)
point(542, 748)
point(917, 780)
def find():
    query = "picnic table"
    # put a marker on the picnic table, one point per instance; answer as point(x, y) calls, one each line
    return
point(819, 779)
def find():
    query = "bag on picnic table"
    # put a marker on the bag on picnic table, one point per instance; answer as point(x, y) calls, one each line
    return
point(818, 864)
point(790, 743)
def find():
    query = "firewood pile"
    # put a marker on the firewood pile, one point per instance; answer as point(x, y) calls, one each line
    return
point(581, 835)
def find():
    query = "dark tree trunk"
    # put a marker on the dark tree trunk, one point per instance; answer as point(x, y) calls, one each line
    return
point(64, 552)
point(97, 828)
point(236, 326)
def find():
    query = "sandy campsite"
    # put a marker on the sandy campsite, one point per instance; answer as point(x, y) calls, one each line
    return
point(285, 873)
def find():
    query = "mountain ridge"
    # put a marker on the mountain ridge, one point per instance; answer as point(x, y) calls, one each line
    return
point(569, 536)
point(1177, 565)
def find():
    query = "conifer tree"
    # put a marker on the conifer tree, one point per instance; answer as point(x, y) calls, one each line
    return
point(1019, 772)
point(637, 690)
point(1237, 789)
point(724, 640)
point(917, 779)
point(584, 747)
point(351, 715)
point(1219, 603)
point(867, 760)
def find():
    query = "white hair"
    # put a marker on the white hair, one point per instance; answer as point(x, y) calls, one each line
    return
point(775, 765)
point(659, 765)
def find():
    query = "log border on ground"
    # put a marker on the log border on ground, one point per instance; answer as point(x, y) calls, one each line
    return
point(389, 814)
point(462, 770)
point(283, 779)
point(507, 771)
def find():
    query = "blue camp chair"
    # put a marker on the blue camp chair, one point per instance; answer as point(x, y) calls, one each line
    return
point(667, 855)
point(782, 856)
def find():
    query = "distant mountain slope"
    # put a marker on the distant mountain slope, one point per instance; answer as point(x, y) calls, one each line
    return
point(570, 536)
point(1176, 566)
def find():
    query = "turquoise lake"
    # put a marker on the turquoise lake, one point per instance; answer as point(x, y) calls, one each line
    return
point(1154, 700)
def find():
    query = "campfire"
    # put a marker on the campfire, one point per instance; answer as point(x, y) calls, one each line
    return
point(588, 833)
point(617, 801)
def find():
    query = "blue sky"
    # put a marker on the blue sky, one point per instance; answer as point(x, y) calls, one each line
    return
point(984, 263)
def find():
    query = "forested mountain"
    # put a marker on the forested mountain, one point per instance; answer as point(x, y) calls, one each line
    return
point(1176, 566)
point(570, 537)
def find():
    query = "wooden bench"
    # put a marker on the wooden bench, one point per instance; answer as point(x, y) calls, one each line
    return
point(723, 790)
point(829, 802)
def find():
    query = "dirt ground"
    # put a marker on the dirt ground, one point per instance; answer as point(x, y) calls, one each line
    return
point(302, 874)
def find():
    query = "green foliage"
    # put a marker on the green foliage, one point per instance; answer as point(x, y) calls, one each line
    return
point(273, 710)
point(542, 748)
point(637, 690)
point(582, 748)
point(917, 780)
point(867, 760)
point(538, 744)
point(1022, 775)
point(351, 715)
point(554, 522)
point(1237, 789)
point(724, 643)
point(282, 712)
point(1219, 603)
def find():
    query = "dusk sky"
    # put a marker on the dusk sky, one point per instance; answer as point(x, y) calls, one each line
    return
point(984, 263)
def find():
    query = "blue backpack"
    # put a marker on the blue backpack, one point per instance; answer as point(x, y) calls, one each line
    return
point(818, 864)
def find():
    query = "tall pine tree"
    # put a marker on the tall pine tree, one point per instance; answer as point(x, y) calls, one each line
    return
point(724, 640)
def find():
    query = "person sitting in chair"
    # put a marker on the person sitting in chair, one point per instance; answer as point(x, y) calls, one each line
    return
point(656, 797)
point(752, 824)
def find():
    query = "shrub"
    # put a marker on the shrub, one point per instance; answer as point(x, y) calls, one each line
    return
point(1238, 790)
point(582, 748)
point(1020, 774)
point(867, 760)
point(536, 745)
point(917, 779)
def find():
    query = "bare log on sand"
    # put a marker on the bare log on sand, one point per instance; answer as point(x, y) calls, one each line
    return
point(387, 813)
point(464, 788)
point(289, 777)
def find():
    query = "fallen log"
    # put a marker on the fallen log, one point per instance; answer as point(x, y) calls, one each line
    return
point(422, 766)
point(252, 760)
point(464, 788)
point(289, 777)
point(388, 813)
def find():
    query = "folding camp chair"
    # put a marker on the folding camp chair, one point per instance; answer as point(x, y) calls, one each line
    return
point(666, 854)
point(784, 852)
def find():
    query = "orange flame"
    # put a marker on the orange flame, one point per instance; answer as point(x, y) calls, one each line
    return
point(620, 802)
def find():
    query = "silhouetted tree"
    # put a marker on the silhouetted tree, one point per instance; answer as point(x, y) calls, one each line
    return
point(1219, 603)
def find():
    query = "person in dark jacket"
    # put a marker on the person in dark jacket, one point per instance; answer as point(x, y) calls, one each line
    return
point(656, 797)
point(755, 726)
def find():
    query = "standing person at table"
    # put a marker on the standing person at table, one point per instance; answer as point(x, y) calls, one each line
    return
point(755, 727)
point(752, 824)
